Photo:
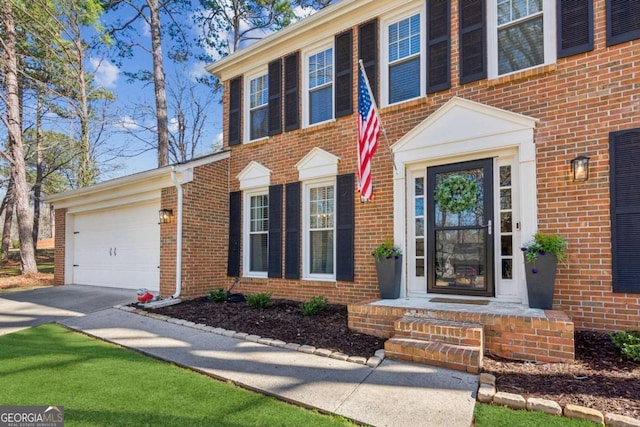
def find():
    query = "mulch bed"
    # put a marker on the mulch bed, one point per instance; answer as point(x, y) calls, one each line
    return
point(283, 321)
point(599, 378)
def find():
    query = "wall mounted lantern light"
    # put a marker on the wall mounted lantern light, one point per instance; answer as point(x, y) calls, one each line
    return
point(580, 168)
point(165, 215)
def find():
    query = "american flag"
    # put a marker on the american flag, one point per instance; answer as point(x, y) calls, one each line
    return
point(368, 133)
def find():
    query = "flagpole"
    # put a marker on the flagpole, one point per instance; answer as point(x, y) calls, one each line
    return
point(375, 106)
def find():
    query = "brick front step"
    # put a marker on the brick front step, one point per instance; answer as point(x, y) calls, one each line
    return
point(461, 333)
point(452, 356)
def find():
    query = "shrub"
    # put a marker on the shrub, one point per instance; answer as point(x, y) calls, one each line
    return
point(217, 295)
point(314, 306)
point(628, 343)
point(260, 300)
point(15, 244)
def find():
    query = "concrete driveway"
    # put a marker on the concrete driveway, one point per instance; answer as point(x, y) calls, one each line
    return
point(21, 310)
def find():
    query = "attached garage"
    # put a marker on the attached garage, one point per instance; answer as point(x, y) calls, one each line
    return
point(111, 231)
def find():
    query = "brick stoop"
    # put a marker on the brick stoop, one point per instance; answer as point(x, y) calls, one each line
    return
point(437, 342)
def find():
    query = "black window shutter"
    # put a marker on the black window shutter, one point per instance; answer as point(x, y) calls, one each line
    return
point(275, 97)
point(345, 227)
point(235, 94)
point(438, 45)
point(473, 41)
point(291, 92)
point(344, 74)
point(235, 231)
point(624, 155)
point(292, 231)
point(623, 21)
point(275, 231)
point(368, 52)
point(575, 27)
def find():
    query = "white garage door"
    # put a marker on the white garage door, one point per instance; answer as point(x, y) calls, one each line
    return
point(118, 247)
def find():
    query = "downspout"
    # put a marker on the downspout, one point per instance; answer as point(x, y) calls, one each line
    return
point(178, 235)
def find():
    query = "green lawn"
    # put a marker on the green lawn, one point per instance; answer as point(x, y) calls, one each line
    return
point(44, 261)
point(497, 416)
point(100, 384)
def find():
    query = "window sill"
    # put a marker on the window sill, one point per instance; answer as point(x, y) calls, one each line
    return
point(249, 275)
point(522, 75)
point(319, 281)
point(259, 141)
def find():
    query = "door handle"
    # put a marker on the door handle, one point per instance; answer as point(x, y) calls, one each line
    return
point(489, 227)
point(114, 251)
point(110, 252)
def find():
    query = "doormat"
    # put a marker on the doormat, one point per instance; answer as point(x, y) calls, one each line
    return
point(461, 301)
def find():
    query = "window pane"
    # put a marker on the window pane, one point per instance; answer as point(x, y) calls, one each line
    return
point(419, 188)
point(404, 80)
point(404, 38)
point(321, 68)
point(506, 247)
point(259, 92)
point(505, 222)
point(420, 247)
point(259, 257)
point(507, 269)
point(321, 251)
point(520, 46)
point(420, 268)
point(321, 105)
point(505, 176)
point(259, 123)
point(505, 198)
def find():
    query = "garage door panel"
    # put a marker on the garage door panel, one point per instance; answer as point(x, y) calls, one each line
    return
point(118, 247)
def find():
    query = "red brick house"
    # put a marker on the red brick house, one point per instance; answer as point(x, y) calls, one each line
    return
point(508, 93)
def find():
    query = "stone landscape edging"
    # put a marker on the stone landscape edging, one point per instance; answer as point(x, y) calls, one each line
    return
point(487, 390)
point(488, 393)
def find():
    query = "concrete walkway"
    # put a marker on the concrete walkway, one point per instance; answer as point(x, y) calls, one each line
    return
point(392, 394)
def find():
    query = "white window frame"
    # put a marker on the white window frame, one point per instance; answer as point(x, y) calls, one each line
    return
point(246, 264)
point(549, 37)
point(306, 98)
point(387, 21)
point(263, 71)
point(306, 235)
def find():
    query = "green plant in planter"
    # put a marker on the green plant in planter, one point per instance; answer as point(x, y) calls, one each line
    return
point(386, 250)
point(544, 244)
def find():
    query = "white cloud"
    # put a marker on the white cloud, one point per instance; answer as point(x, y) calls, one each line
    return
point(127, 123)
point(173, 125)
point(146, 29)
point(106, 74)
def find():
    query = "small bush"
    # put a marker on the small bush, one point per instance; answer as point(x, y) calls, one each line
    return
point(15, 244)
point(314, 306)
point(259, 300)
point(628, 343)
point(217, 295)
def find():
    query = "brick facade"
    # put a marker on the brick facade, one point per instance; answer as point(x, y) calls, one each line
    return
point(204, 236)
point(59, 247)
point(578, 101)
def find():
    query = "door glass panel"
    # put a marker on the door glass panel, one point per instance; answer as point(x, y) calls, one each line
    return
point(460, 258)
point(459, 198)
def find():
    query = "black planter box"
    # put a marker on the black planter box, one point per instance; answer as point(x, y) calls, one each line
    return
point(389, 276)
point(540, 285)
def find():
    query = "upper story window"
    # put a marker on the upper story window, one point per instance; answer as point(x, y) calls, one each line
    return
point(524, 35)
point(320, 86)
point(403, 57)
point(258, 107)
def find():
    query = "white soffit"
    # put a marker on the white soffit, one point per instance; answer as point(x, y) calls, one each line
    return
point(317, 163)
